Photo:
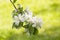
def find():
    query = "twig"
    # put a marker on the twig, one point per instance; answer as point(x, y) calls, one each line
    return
point(13, 5)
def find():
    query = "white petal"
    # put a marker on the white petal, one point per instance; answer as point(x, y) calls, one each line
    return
point(19, 15)
point(16, 22)
point(34, 25)
point(15, 17)
point(22, 20)
point(28, 11)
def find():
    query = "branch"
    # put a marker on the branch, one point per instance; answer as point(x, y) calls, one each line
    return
point(13, 5)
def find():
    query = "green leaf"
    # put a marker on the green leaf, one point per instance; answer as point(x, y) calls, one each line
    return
point(16, 26)
point(35, 31)
point(31, 30)
point(14, 1)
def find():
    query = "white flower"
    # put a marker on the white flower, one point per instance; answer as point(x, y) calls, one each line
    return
point(22, 20)
point(17, 22)
point(34, 19)
point(25, 16)
point(15, 17)
point(39, 22)
point(30, 20)
point(28, 11)
point(34, 25)
point(19, 16)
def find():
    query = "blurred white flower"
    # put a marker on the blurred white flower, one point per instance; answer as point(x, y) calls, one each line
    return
point(30, 20)
point(39, 22)
point(25, 16)
point(19, 16)
point(16, 20)
point(22, 19)
point(34, 19)
point(27, 19)
point(34, 25)
point(28, 11)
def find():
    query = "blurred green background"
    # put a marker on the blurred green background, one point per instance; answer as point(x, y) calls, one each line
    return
point(48, 10)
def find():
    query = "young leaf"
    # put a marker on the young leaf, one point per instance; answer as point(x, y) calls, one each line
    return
point(14, 1)
point(35, 31)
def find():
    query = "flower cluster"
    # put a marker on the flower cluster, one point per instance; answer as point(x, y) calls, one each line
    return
point(25, 18)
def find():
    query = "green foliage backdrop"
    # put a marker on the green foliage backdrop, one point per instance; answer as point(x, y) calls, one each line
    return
point(48, 10)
